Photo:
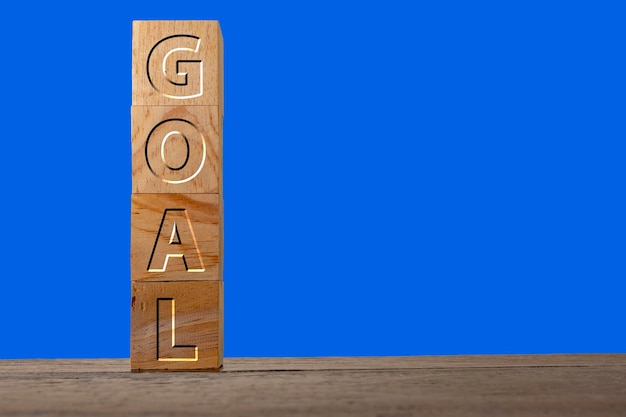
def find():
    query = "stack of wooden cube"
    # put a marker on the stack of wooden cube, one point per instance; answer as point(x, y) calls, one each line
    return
point(177, 206)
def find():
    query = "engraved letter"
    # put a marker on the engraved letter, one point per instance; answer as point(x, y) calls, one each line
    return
point(166, 339)
point(175, 239)
point(175, 151)
point(174, 68)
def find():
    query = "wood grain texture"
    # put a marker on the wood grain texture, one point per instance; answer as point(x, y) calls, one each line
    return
point(519, 385)
point(177, 326)
point(372, 363)
point(176, 237)
point(176, 149)
point(178, 63)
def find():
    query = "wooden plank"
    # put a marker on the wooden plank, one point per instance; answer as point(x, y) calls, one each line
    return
point(550, 385)
point(176, 149)
point(177, 63)
point(330, 363)
point(176, 237)
point(177, 326)
point(421, 362)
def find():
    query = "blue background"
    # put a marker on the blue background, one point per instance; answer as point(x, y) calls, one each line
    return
point(441, 178)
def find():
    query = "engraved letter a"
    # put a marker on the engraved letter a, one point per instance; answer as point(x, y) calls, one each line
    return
point(175, 239)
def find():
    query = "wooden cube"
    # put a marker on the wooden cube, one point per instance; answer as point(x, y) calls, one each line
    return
point(178, 63)
point(176, 237)
point(177, 326)
point(176, 149)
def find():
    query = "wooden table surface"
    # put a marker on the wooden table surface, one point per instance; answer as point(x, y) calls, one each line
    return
point(520, 385)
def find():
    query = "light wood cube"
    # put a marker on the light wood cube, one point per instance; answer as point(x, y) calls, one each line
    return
point(176, 149)
point(177, 326)
point(178, 63)
point(176, 237)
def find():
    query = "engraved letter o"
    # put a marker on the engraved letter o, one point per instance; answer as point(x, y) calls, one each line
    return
point(195, 152)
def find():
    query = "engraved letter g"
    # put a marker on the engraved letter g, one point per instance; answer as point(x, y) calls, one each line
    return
point(174, 68)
